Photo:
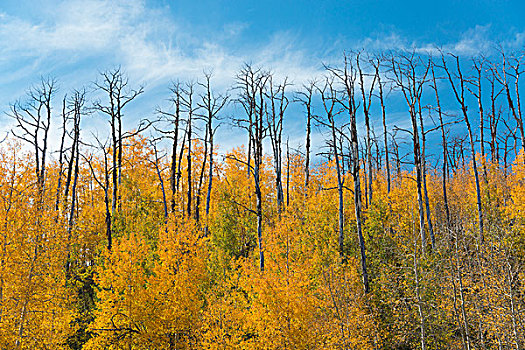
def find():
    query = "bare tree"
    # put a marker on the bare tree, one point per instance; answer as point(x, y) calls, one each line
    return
point(444, 146)
point(494, 116)
point(424, 172)
point(305, 98)
point(212, 104)
point(330, 102)
point(278, 102)
point(366, 94)
point(190, 108)
point(115, 85)
point(33, 120)
point(252, 85)
point(246, 83)
point(77, 107)
point(376, 63)
point(457, 82)
point(476, 83)
point(61, 151)
point(409, 75)
point(347, 76)
point(511, 69)
point(175, 119)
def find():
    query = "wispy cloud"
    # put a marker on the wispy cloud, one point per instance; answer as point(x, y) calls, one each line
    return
point(76, 26)
point(474, 41)
point(153, 47)
point(74, 39)
point(77, 38)
point(148, 43)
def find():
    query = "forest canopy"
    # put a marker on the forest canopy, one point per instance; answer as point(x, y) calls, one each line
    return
point(374, 234)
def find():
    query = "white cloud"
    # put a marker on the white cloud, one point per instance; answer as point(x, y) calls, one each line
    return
point(476, 40)
point(473, 42)
point(149, 44)
point(154, 49)
point(87, 26)
point(385, 42)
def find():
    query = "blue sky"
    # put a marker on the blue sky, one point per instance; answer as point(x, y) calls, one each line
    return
point(156, 42)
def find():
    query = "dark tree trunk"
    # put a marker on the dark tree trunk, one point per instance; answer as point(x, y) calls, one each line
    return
point(459, 94)
point(61, 152)
point(348, 78)
point(385, 132)
point(367, 101)
point(275, 116)
point(305, 98)
point(444, 174)
point(411, 84)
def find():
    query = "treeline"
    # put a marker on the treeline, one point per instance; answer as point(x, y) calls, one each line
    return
point(408, 234)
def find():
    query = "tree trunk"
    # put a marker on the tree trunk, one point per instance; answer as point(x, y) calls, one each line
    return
point(444, 144)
